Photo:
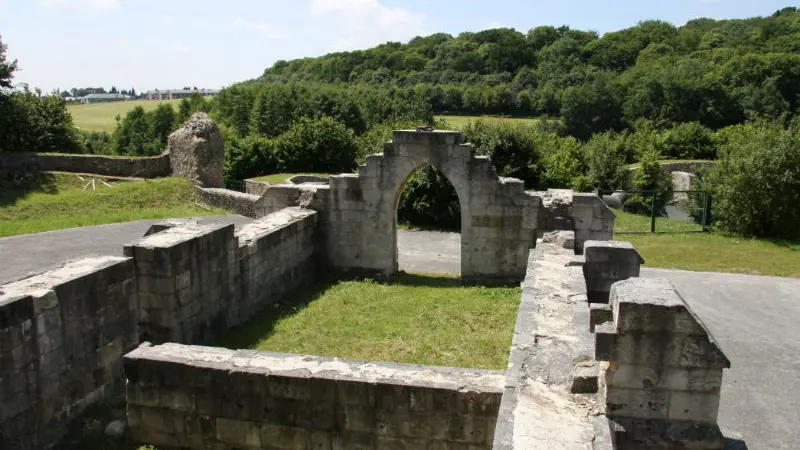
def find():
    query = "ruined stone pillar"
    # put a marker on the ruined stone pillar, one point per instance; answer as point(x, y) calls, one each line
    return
point(664, 369)
point(196, 151)
point(607, 262)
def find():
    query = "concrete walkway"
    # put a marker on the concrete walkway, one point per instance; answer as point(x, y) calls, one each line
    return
point(755, 319)
point(29, 254)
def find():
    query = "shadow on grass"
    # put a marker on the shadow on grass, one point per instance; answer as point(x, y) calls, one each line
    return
point(262, 326)
point(19, 187)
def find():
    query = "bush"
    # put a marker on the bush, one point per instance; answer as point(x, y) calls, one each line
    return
point(756, 185)
point(511, 148)
point(689, 140)
point(30, 122)
point(429, 201)
point(316, 145)
point(249, 157)
point(650, 176)
point(605, 157)
point(134, 135)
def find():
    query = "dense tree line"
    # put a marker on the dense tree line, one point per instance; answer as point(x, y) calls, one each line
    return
point(717, 73)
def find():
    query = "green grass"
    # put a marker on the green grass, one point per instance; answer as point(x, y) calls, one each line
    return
point(281, 178)
point(627, 222)
point(102, 116)
point(460, 122)
point(670, 248)
point(56, 201)
point(420, 319)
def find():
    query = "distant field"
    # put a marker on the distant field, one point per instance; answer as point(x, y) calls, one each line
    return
point(460, 122)
point(102, 116)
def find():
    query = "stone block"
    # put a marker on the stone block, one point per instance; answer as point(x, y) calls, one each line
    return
point(698, 407)
point(670, 378)
point(640, 403)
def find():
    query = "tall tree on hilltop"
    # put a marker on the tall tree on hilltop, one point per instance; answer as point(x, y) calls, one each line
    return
point(7, 68)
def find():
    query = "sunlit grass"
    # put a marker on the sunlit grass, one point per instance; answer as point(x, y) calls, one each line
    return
point(420, 319)
point(460, 122)
point(57, 201)
point(283, 178)
point(102, 116)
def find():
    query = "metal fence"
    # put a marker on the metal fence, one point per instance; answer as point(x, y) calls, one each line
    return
point(682, 211)
point(233, 185)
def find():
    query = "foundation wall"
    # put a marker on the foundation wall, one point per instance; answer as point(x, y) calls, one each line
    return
point(62, 337)
point(199, 397)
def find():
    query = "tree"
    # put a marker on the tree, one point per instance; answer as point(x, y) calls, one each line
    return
point(591, 108)
point(7, 68)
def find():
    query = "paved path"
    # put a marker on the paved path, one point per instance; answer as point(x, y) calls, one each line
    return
point(755, 319)
point(29, 254)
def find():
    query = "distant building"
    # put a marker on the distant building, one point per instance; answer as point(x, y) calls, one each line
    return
point(171, 94)
point(103, 98)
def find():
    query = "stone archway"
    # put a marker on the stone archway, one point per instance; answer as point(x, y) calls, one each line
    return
point(498, 219)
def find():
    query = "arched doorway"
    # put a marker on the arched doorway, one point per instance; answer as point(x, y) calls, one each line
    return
point(429, 223)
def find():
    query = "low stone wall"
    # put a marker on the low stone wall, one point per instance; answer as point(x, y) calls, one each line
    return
point(197, 280)
point(243, 204)
point(149, 167)
point(62, 337)
point(256, 187)
point(196, 397)
point(664, 373)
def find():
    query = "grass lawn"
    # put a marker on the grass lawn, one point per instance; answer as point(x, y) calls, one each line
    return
point(102, 116)
point(460, 122)
point(420, 319)
point(708, 252)
point(281, 178)
point(56, 201)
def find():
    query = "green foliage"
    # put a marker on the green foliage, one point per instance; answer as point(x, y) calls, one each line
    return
point(689, 140)
point(429, 201)
point(756, 184)
point(249, 157)
point(605, 156)
point(591, 108)
point(316, 145)
point(7, 68)
point(31, 122)
point(656, 181)
point(134, 135)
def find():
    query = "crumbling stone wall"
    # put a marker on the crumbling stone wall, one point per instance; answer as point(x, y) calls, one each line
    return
point(196, 397)
point(196, 151)
point(243, 204)
point(197, 280)
point(664, 373)
point(583, 213)
point(62, 337)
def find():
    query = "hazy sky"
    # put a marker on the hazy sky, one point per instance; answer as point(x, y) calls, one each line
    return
point(149, 44)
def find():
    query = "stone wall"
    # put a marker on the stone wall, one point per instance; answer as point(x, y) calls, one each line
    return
point(664, 373)
point(243, 204)
point(256, 187)
point(196, 280)
point(584, 213)
point(20, 163)
point(62, 337)
point(196, 397)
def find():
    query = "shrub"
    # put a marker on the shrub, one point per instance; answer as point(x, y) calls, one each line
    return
point(429, 201)
point(756, 185)
point(605, 157)
point(316, 145)
point(511, 148)
point(134, 135)
point(30, 122)
point(689, 140)
point(249, 157)
point(650, 176)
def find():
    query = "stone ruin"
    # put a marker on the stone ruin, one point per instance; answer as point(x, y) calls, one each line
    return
point(196, 151)
point(600, 358)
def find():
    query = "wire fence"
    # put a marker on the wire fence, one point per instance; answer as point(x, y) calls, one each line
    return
point(233, 185)
point(681, 211)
